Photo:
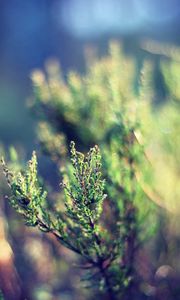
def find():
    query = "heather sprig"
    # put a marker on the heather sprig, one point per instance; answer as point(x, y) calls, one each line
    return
point(79, 226)
point(27, 195)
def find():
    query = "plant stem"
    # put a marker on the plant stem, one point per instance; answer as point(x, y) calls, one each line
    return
point(100, 264)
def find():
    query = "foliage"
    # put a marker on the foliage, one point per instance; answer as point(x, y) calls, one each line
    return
point(79, 225)
point(161, 134)
point(101, 108)
point(83, 108)
point(27, 196)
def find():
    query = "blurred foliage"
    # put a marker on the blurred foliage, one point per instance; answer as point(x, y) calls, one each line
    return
point(140, 147)
point(81, 104)
point(161, 129)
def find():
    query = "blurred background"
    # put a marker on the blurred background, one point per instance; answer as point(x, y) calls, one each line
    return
point(32, 32)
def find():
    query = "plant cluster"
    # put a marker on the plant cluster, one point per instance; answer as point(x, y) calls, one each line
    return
point(107, 212)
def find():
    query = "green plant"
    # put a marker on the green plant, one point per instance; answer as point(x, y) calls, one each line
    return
point(82, 108)
point(107, 232)
point(107, 247)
